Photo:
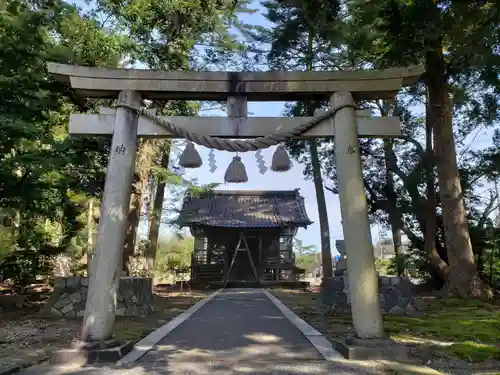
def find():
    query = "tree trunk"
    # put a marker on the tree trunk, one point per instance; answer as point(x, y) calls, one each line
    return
point(463, 278)
point(143, 165)
point(155, 221)
point(16, 227)
point(430, 229)
point(392, 205)
point(90, 235)
point(133, 223)
point(326, 253)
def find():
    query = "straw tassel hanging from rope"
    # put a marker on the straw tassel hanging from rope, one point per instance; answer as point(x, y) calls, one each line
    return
point(236, 172)
point(281, 161)
point(190, 158)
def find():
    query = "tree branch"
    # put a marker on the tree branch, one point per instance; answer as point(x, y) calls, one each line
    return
point(330, 189)
point(413, 141)
point(490, 207)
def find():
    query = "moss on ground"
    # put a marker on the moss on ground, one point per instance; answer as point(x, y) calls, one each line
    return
point(456, 328)
point(469, 329)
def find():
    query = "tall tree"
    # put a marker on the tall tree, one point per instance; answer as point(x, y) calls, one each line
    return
point(45, 176)
point(193, 35)
point(457, 43)
point(160, 177)
point(157, 209)
point(303, 39)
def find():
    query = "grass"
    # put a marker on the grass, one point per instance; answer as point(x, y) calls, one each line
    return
point(454, 328)
point(470, 329)
point(473, 351)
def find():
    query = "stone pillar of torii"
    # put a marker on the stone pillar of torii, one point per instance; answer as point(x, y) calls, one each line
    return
point(131, 87)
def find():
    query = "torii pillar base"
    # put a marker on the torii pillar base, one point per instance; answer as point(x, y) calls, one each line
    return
point(358, 349)
point(85, 353)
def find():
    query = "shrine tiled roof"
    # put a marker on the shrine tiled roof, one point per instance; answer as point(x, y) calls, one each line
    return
point(245, 209)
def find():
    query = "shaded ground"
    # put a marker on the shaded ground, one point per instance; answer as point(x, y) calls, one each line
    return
point(26, 338)
point(239, 331)
point(454, 336)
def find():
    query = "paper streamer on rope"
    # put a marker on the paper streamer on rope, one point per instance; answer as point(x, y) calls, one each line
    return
point(211, 160)
point(261, 164)
point(190, 158)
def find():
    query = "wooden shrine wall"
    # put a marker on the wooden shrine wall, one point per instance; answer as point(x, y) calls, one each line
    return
point(214, 250)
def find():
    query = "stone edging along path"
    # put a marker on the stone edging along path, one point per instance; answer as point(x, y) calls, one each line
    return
point(139, 349)
point(17, 368)
point(316, 338)
point(148, 342)
point(323, 346)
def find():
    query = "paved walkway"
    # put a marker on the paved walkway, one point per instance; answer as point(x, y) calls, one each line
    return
point(236, 332)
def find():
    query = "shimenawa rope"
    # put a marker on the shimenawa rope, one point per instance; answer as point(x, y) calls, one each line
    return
point(237, 145)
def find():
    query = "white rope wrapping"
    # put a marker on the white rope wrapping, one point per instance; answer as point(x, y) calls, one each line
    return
point(237, 145)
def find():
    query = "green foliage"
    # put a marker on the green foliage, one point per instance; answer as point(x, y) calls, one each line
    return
point(490, 262)
point(45, 176)
point(306, 256)
point(393, 33)
point(301, 249)
point(472, 351)
point(7, 241)
point(307, 262)
point(22, 267)
point(305, 34)
point(174, 253)
point(166, 32)
point(383, 266)
point(399, 263)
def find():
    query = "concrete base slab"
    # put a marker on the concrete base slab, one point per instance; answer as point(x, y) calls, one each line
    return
point(370, 349)
point(337, 367)
point(410, 368)
point(88, 353)
point(317, 367)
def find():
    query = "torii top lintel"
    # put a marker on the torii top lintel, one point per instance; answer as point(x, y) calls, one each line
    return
point(256, 86)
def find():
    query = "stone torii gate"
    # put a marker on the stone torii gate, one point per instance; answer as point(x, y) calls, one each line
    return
point(131, 86)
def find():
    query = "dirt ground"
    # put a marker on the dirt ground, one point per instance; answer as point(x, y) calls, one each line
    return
point(452, 336)
point(26, 338)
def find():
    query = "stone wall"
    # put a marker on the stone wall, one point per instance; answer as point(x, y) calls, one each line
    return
point(61, 265)
point(135, 297)
point(395, 293)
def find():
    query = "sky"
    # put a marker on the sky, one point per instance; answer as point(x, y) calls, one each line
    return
point(293, 179)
